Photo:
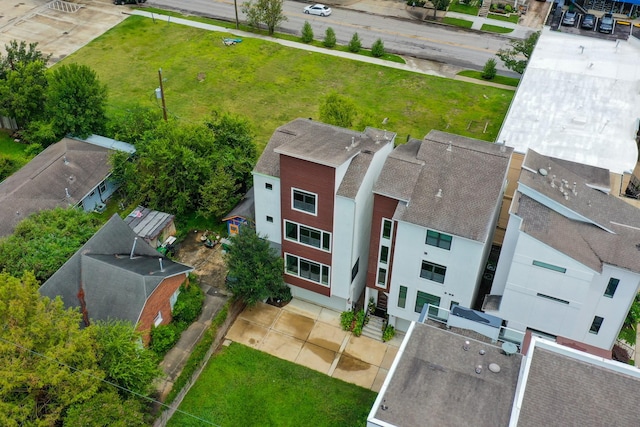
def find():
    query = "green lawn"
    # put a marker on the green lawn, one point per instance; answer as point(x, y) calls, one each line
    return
point(495, 29)
point(514, 17)
point(509, 81)
point(12, 151)
point(245, 387)
point(469, 9)
point(458, 22)
point(271, 84)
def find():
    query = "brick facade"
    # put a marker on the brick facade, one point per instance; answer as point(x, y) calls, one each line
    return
point(158, 301)
point(383, 207)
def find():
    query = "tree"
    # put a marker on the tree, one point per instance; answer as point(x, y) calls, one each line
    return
point(329, 38)
point(439, 5)
point(338, 110)
point(48, 362)
point(76, 101)
point(255, 269)
point(22, 92)
point(489, 70)
point(133, 123)
point(45, 240)
point(267, 12)
point(307, 33)
point(629, 327)
point(355, 44)
point(18, 53)
point(377, 49)
point(105, 410)
point(513, 57)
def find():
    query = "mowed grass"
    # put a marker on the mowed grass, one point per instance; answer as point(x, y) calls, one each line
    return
point(271, 84)
point(495, 29)
point(15, 151)
point(458, 22)
point(509, 81)
point(241, 386)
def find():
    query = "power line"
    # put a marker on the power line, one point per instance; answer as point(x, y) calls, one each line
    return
point(106, 382)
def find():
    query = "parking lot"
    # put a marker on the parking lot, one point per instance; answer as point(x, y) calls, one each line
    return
point(575, 23)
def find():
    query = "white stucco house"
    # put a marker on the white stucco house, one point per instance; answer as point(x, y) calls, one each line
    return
point(570, 262)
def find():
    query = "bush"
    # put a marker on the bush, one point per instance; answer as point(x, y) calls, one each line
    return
point(7, 166)
point(355, 44)
point(388, 333)
point(189, 304)
point(489, 70)
point(329, 38)
point(33, 149)
point(508, 8)
point(377, 49)
point(346, 320)
point(163, 338)
point(40, 132)
point(307, 33)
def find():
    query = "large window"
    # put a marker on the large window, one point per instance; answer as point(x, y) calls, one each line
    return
point(549, 266)
point(382, 278)
point(433, 272)
point(303, 201)
point(424, 298)
point(611, 287)
point(386, 228)
point(438, 239)
point(402, 297)
point(307, 235)
point(596, 324)
point(305, 269)
point(384, 254)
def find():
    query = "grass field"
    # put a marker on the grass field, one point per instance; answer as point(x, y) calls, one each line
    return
point(468, 9)
point(495, 29)
point(245, 387)
point(458, 22)
point(13, 151)
point(271, 84)
point(509, 81)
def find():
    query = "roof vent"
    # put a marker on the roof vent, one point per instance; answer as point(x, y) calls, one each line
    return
point(494, 367)
point(449, 147)
point(465, 347)
point(384, 406)
point(161, 266)
point(553, 181)
point(542, 171)
point(478, 369)
point(482, 352)
point(66, 192)
point(439, 193)
point(66, 162)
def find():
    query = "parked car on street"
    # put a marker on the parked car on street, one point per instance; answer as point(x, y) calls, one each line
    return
point(569, 18)
point(606, 23)
point(588, 22)
point(318, 9)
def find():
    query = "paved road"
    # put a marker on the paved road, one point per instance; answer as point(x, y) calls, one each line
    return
point(405, 36)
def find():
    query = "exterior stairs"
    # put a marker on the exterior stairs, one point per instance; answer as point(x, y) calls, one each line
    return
point(484, 9)
point(373, 329)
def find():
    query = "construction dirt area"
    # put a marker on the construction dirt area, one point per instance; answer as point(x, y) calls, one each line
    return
point(208, 263)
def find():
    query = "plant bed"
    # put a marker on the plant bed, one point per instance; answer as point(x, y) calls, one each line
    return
point(277, 302)
point(507, 17)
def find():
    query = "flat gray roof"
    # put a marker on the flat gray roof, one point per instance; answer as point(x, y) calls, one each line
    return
point(578, 100)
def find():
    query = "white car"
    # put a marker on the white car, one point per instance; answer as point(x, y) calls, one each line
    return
point(318, 9)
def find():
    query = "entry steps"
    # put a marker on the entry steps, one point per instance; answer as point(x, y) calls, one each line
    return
point(373, 329)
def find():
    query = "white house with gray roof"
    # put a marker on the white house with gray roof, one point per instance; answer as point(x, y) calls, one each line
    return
point(313, 200)
point(570, 262)
point(436, 205)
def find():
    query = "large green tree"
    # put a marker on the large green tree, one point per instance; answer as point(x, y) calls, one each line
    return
point(267, 12)
point(255, 269)
point(517, 56)
point(17, 53)
point(45, 240)
point(338, 110)
point(76, 101)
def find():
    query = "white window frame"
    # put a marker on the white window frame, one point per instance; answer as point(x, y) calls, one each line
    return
point(297, 240)
point(386, 275)
point(382, 238)
point(158, 320)
point(315, 205)
point(102, 187)
point(297, 273)
point(174, 298)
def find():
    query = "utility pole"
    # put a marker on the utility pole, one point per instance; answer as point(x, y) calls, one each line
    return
point(235, 6)
point(164, 106)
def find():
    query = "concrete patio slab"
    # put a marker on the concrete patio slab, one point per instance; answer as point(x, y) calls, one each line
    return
point(389, 355)
point(329, 316)
point(262, 314)
point(283, 346)
point(247, 333)
point(366, 349)
point(356, 371)
point(377, 383)
point(303, 308)
point(316, 358)
point(293, 324)
point(327, 336)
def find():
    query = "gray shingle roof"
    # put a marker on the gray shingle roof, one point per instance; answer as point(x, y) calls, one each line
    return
point(591, 227)
point(451, 183)
point(115, 285)
point(246, 208)
point(148, 223)
point(435, 383)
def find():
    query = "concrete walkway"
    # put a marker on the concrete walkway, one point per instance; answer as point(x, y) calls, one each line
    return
point(310, 335)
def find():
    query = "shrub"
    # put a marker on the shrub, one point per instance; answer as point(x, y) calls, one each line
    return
point(7, 166)
point(346, 320)
point(40, 132)
point(508, 8)
point(489, 70)
point(33, 149)
point(307, 33)
point(493, 7)
point(355, 44)
point(329, 38)
point(388, 333)
point(163, 338)
point(189, 304)
point(377, 49)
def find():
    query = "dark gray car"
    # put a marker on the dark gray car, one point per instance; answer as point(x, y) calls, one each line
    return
point(606, 23)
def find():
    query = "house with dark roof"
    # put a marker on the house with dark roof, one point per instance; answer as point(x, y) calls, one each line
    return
point(117, 275)
point(71, 172)
point(570, 263)
point(151, 225)
point(313, 200)
point(435, 208)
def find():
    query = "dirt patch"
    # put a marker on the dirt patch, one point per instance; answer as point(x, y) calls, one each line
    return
point(536, 14)
point(208, 263)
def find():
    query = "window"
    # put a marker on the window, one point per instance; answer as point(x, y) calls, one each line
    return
point(92, 193)
point(550, 266)
point(433, 272)
point(269, 218)
point(158, 320)
point(382, 277)
point(268, 186)
point(384, 254)
point(306, 269)
point(102, 187)
point(596, 324)
point(307, 236)
point(402, 297)
point(174, 298)
point(303, 201)
point(611, 287)
point(425, 298)
point(553, 298)
point(386, 228)
point(438, 239)
point(355, 269)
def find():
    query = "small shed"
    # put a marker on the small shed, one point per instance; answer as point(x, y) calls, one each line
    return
point(153, 226)
point(242, 214)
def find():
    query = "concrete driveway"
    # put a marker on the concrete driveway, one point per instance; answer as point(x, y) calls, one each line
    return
point(311, 336)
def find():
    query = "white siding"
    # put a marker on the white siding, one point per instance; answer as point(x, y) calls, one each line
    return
point(343, 247)
point(267, 203)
